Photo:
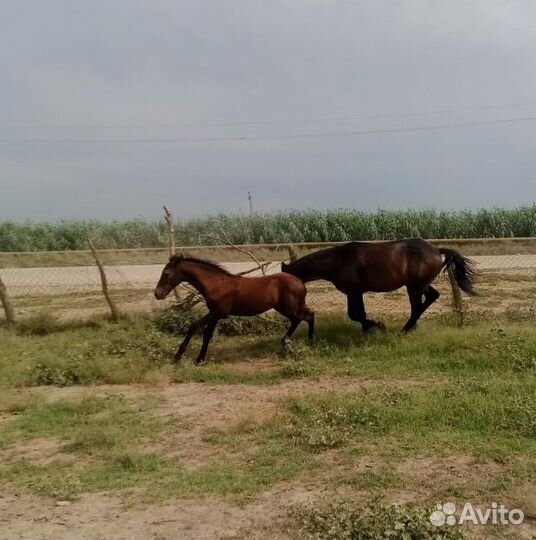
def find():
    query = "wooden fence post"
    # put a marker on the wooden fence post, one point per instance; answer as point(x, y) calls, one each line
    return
point(6, 302)
point(457, 301)
point(170, 222)
point(293, 256)
point(113, 309)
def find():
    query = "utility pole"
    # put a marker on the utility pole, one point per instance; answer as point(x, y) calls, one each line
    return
point(250, 203)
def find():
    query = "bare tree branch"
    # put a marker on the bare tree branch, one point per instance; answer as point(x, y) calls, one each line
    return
point(225, 240)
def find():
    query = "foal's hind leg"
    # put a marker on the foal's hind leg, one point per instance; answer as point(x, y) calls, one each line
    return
point(418, 306)
point(305, 314)
point(208, 332)
point(356, 312)
point(309, 316)
point(200, 323)
point(294, 323)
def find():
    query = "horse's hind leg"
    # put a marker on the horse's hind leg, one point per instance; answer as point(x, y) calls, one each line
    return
point(418, 306)
point(309, 316)
point(200, 323)
point(208, 332)
point(296, 315)
point(356, 312)
point(294, 323)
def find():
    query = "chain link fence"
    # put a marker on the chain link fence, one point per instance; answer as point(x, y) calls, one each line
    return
point(68, 285)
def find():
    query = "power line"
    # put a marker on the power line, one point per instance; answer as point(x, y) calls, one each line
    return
point(271, 122)
point(269, 137)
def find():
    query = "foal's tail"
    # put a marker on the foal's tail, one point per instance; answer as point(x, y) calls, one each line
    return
point(464, 269)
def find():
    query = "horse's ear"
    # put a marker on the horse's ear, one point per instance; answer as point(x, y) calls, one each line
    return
point(284, 267)
point(174, 260)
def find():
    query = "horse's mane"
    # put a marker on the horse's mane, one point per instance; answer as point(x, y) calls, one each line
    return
point(176, 259)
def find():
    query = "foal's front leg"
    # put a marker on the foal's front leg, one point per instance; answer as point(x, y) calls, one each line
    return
point(200, 323)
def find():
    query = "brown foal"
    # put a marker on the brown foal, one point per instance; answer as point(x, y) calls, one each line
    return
point(227, 294)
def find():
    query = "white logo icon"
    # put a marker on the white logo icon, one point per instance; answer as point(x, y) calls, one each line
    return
point(443, 514)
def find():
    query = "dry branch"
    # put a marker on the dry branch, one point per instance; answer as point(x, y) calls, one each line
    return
point(263, 266)
point(113, 309)
point(225, 240)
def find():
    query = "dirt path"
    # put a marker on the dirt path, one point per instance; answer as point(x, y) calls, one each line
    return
point(55, 280)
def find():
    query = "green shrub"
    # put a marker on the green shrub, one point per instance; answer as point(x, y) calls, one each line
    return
point(349, 521)
point(176, 321)
point(40, 324)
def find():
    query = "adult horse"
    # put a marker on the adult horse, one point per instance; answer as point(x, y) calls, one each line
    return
point(227, 294)
point(359, 267)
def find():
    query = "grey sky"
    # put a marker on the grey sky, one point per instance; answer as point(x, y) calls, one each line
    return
point(108, 70)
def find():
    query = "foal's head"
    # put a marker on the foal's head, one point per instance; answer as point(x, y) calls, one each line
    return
point(172, 275)
point(175, 273)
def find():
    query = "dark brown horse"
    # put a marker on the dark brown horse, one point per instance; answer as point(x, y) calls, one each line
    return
point(359, 267)
point(227, 294)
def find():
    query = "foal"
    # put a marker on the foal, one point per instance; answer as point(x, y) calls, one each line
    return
point(227, 294)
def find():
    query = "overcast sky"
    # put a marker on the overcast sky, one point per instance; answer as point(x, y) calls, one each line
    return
point(195, 103)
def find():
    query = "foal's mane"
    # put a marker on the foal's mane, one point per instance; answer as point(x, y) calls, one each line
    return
point(176, 259)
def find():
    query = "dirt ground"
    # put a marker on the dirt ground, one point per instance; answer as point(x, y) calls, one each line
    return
point(119, 516)
point(103, 516)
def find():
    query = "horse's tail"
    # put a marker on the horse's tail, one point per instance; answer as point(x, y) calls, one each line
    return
point(464, 269)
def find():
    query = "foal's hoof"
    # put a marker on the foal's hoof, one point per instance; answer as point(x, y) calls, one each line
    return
point(199, 361)
point(380, 326)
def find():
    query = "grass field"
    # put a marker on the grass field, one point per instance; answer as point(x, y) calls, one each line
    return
point(97, 435)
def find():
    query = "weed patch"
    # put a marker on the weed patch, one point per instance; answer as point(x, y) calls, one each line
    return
point(347, 520)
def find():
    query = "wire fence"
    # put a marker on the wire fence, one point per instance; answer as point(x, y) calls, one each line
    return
point(69, 285)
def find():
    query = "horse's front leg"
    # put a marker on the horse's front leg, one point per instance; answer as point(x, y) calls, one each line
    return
point(356, 312)
point(200, 323)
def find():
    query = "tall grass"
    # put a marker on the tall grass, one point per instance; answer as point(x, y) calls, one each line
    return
point(278, 227)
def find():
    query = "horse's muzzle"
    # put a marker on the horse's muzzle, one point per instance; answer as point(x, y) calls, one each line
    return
point(160, 294)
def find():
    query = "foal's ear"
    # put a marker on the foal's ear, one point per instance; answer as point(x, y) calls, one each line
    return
point(174, 260)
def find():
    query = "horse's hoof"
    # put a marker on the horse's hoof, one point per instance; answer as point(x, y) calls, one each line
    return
point(199, 361)
point(381, 326)
point(409, 330)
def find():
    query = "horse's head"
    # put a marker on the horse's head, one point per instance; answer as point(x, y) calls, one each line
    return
point(172, 275)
